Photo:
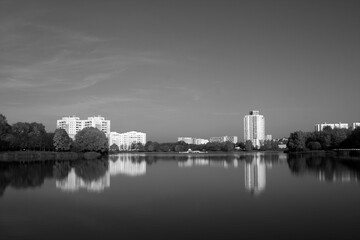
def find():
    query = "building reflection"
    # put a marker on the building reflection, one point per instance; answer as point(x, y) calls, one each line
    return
point(194, 160)
point(126, 165)
point(73, 182)
point(255, 174)
point(255, 166)
point(94, 176)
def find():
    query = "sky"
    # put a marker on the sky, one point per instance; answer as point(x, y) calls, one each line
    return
point(181, 68)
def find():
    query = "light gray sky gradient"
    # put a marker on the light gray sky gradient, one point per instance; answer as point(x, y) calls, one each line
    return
point(181, 68)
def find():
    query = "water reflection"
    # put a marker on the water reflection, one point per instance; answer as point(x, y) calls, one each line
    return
point(126, 164)
point(23, 176)
point(325, 168)
point(255, 165)
point(94, 176)
point(255, 175)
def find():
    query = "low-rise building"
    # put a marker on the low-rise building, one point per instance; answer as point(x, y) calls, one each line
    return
point(125, 140)
point(192, 140)
point(233, 139)
point(268, 137)
point(188, 140)
point(321, 126)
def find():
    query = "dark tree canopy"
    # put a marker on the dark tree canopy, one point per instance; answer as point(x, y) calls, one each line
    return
point(91, 140)
point(5, 130)
point(248, 145)
point(114, 148)
point(62, 141)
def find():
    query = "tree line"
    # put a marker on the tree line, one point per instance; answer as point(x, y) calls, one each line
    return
point(181, 146)
point(33, 136)
point(327, 139)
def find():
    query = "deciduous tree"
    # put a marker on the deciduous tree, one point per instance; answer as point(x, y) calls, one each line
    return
point(91, 139)
point(61, 140)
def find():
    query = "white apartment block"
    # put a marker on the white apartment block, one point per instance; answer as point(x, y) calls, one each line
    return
point(98, 122)
point(268, 137)
point(188, 140)
point(355, 125)
point(73, 124)
point(233, 139)
point(125, 140)
point(254, 128)
point(321, 126)
point(191, 140)
point(200, 141)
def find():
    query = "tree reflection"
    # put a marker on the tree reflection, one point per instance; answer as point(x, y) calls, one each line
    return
point(324, 167)
point(23, 176)
point(20, 176)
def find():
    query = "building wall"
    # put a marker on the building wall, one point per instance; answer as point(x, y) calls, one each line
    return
point(73, 124)
point(254, 128)
point(125, 140)
point(188, 140)
point(319, 127)
point(355, 125)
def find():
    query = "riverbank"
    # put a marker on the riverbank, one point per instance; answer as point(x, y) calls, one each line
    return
point(38, 156)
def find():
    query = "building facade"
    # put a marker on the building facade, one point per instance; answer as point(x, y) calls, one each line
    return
point(254, 128)
point(125, 140)
point(355, 125)
point(319, 127)
point(191, 140)
point(188, 140)
point(233, 139)
point(73, 124)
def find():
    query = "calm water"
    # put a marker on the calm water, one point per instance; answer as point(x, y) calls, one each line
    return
point(248, 196)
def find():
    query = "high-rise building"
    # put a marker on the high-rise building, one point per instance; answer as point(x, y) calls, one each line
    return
point(98, 122)
point(125, 140)
point(321, 126)
point(73, 124)
point(254, 128)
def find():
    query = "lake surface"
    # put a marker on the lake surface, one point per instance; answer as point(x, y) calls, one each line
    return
point(172, 196)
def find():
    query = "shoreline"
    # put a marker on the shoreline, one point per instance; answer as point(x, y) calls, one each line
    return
point(39, 156)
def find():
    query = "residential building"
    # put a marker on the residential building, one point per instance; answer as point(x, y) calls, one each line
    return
point(73, 124)
point(125, 140)
point(188, 140)
point(200, 141)
point(192, 140)
point(254, 128)
point(233, 139)
point(268, 137)
point(355, 125)
point(321, 126)
point(98, 122)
